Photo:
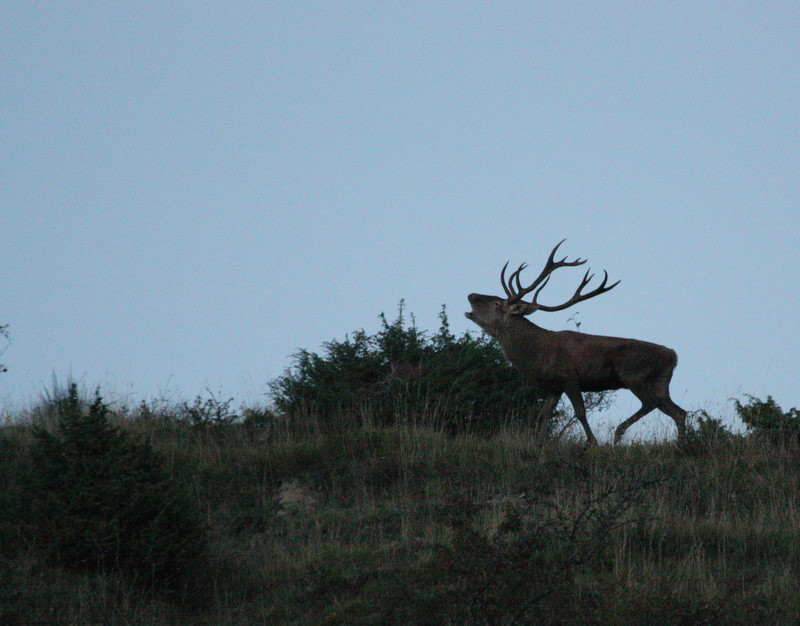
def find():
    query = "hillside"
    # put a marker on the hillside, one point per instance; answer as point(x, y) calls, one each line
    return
point(401, 524)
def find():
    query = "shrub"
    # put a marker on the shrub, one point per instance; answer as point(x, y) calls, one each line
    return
point(101, 501)
point(401, 373)
point(208, 414)
point(706, 432)
point(765, 417)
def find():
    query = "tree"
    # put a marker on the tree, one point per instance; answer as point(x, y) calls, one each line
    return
point(99, 500)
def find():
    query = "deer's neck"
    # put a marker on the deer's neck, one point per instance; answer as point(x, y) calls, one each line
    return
point(521, 339)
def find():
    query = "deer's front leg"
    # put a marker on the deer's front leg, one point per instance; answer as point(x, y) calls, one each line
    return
point(576, 398)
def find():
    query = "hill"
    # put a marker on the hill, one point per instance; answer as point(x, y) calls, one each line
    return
point(391, 524)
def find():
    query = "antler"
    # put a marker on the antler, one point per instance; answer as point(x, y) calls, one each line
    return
point(578, 296)
point(541, 280)
point(515, 295)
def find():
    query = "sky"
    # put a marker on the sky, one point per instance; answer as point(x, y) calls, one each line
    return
point(191, 192)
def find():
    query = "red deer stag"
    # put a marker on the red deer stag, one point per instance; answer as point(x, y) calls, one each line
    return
point(572, 362)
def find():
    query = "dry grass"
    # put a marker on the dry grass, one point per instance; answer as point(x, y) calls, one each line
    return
point(410, 525)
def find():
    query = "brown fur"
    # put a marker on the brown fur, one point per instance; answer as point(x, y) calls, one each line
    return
point(572, 362)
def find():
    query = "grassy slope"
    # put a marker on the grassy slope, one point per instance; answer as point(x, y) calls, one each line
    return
point(409, 525)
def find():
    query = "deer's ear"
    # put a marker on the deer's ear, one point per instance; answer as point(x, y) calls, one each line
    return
point(521, 308)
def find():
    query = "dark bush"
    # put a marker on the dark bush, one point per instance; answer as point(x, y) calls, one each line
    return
point(209, 413)
point(766, 418)
point(706, 433)
point(98, 500)
point(401, 374)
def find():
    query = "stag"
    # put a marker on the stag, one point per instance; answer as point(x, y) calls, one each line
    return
point(568, 362)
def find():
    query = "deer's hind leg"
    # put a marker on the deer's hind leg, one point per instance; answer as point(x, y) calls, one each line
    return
point(668, 407)
point(648, 404)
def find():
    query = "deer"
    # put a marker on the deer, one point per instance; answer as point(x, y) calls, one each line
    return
point(570, 362)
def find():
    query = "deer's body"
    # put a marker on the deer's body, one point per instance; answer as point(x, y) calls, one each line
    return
point(553, 358)
point(573, 362)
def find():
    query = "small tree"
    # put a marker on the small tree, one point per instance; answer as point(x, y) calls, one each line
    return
point(99, 500)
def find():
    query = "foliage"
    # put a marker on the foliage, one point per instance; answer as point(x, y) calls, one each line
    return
point(98, 500)
point(766, 418)
point(705, 433)
point(208, 413)
point(525, 569)
point(401, 373)
point(402, 524)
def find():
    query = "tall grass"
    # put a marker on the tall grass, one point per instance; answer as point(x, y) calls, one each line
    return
point(408, 523)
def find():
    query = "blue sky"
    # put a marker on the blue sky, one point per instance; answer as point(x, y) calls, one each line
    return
point(191, 192)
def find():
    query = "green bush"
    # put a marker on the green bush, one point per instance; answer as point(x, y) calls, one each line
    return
point(208, 414)
point(401, 374)
point(765, 417)
point(705, 433)
point(98, 500)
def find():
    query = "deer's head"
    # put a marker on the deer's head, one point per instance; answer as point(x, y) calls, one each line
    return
point(493, 313)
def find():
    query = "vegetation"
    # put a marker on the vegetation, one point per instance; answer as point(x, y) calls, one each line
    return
point(88, 497)
point(767, 419)
point(456, 383)
point(304, 514)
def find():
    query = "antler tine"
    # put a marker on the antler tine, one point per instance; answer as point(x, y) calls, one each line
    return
point(503, 280)
point(578, 296)
point(508, 286)
point(515, 276)
point(539, 290)
point(563, 262)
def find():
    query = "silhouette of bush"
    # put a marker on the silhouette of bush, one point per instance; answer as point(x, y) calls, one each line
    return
point(400, 374)
point(705, 433)
point(766, 418)
point(208, 414)
point(100, 501)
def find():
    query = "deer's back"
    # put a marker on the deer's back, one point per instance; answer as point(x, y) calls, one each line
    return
point(593, 362)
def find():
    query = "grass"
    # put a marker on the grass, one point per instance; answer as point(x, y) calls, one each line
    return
point(410, 525)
